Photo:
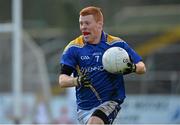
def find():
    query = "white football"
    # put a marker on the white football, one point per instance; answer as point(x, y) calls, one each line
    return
point(115, 60)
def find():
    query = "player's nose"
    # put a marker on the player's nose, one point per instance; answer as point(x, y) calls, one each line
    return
point(83, 26)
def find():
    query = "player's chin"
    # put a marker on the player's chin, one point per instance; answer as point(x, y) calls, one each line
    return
point(86, 37)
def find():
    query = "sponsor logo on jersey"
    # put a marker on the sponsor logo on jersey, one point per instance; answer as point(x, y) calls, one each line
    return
point(97, 53)
point(94, 68)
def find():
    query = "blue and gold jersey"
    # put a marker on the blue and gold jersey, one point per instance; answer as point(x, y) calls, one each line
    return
point(105, 86)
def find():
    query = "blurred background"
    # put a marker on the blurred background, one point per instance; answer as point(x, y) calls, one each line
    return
point(33, 34)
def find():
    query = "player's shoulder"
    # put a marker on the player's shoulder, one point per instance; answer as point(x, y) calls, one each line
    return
point(113, 39)
point(77, 42)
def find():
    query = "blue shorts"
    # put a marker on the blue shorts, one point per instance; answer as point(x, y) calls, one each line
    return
point(107, 111)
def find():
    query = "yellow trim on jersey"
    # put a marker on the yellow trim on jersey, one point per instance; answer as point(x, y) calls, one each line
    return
point(112, 39)
point(78, 42)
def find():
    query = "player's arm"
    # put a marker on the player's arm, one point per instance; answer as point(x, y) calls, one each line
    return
point(65, 78)
point(66, 81)
point(140, 68)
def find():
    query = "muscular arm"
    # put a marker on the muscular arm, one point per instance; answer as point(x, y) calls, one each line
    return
point(65, 80)
point(140, 68)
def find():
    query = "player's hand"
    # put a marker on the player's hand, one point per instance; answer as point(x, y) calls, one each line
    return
point(131, 67)
point(83, 79)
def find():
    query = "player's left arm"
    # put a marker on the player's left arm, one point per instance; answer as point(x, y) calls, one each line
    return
point(136, 65)
point(140, 68)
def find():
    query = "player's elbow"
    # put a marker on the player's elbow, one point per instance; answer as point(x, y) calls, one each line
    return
point(140, 68)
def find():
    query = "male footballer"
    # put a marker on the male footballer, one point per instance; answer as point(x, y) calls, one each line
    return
point(99, 93)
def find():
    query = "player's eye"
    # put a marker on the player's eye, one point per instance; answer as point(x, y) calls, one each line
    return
point(87, 23)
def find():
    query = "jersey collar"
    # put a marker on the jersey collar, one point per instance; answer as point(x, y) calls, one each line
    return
point(103, 37)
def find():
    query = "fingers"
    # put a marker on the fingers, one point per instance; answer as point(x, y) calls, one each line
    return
point(130, 68)
point(129, 64)
point(84, 72)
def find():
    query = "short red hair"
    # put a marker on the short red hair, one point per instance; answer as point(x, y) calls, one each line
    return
point(91, 10)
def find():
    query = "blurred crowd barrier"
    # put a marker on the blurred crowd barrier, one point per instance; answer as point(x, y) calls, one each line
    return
point(137, 109)
point(150, 109)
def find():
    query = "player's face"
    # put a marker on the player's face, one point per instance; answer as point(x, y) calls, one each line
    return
point(90, 28)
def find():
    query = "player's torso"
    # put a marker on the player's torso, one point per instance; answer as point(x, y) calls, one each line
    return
point(89, 57)
point(107, 85)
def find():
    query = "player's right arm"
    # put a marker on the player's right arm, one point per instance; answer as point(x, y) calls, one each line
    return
point(65, 78)
point(66, 81)
point(68, 64)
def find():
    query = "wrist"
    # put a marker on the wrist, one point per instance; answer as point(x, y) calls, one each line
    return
point(75, 81)
point(134, 68)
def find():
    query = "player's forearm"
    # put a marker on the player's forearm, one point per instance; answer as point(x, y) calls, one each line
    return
point(67, 81)
point(140, 68)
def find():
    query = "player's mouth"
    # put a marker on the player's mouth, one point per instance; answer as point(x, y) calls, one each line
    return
point(85, 33)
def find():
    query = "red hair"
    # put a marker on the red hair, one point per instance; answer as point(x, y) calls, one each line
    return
point(91, 10)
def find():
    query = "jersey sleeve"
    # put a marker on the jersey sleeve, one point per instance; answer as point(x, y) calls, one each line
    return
point(133, 55)
point(69, 57)
point(116, 41)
